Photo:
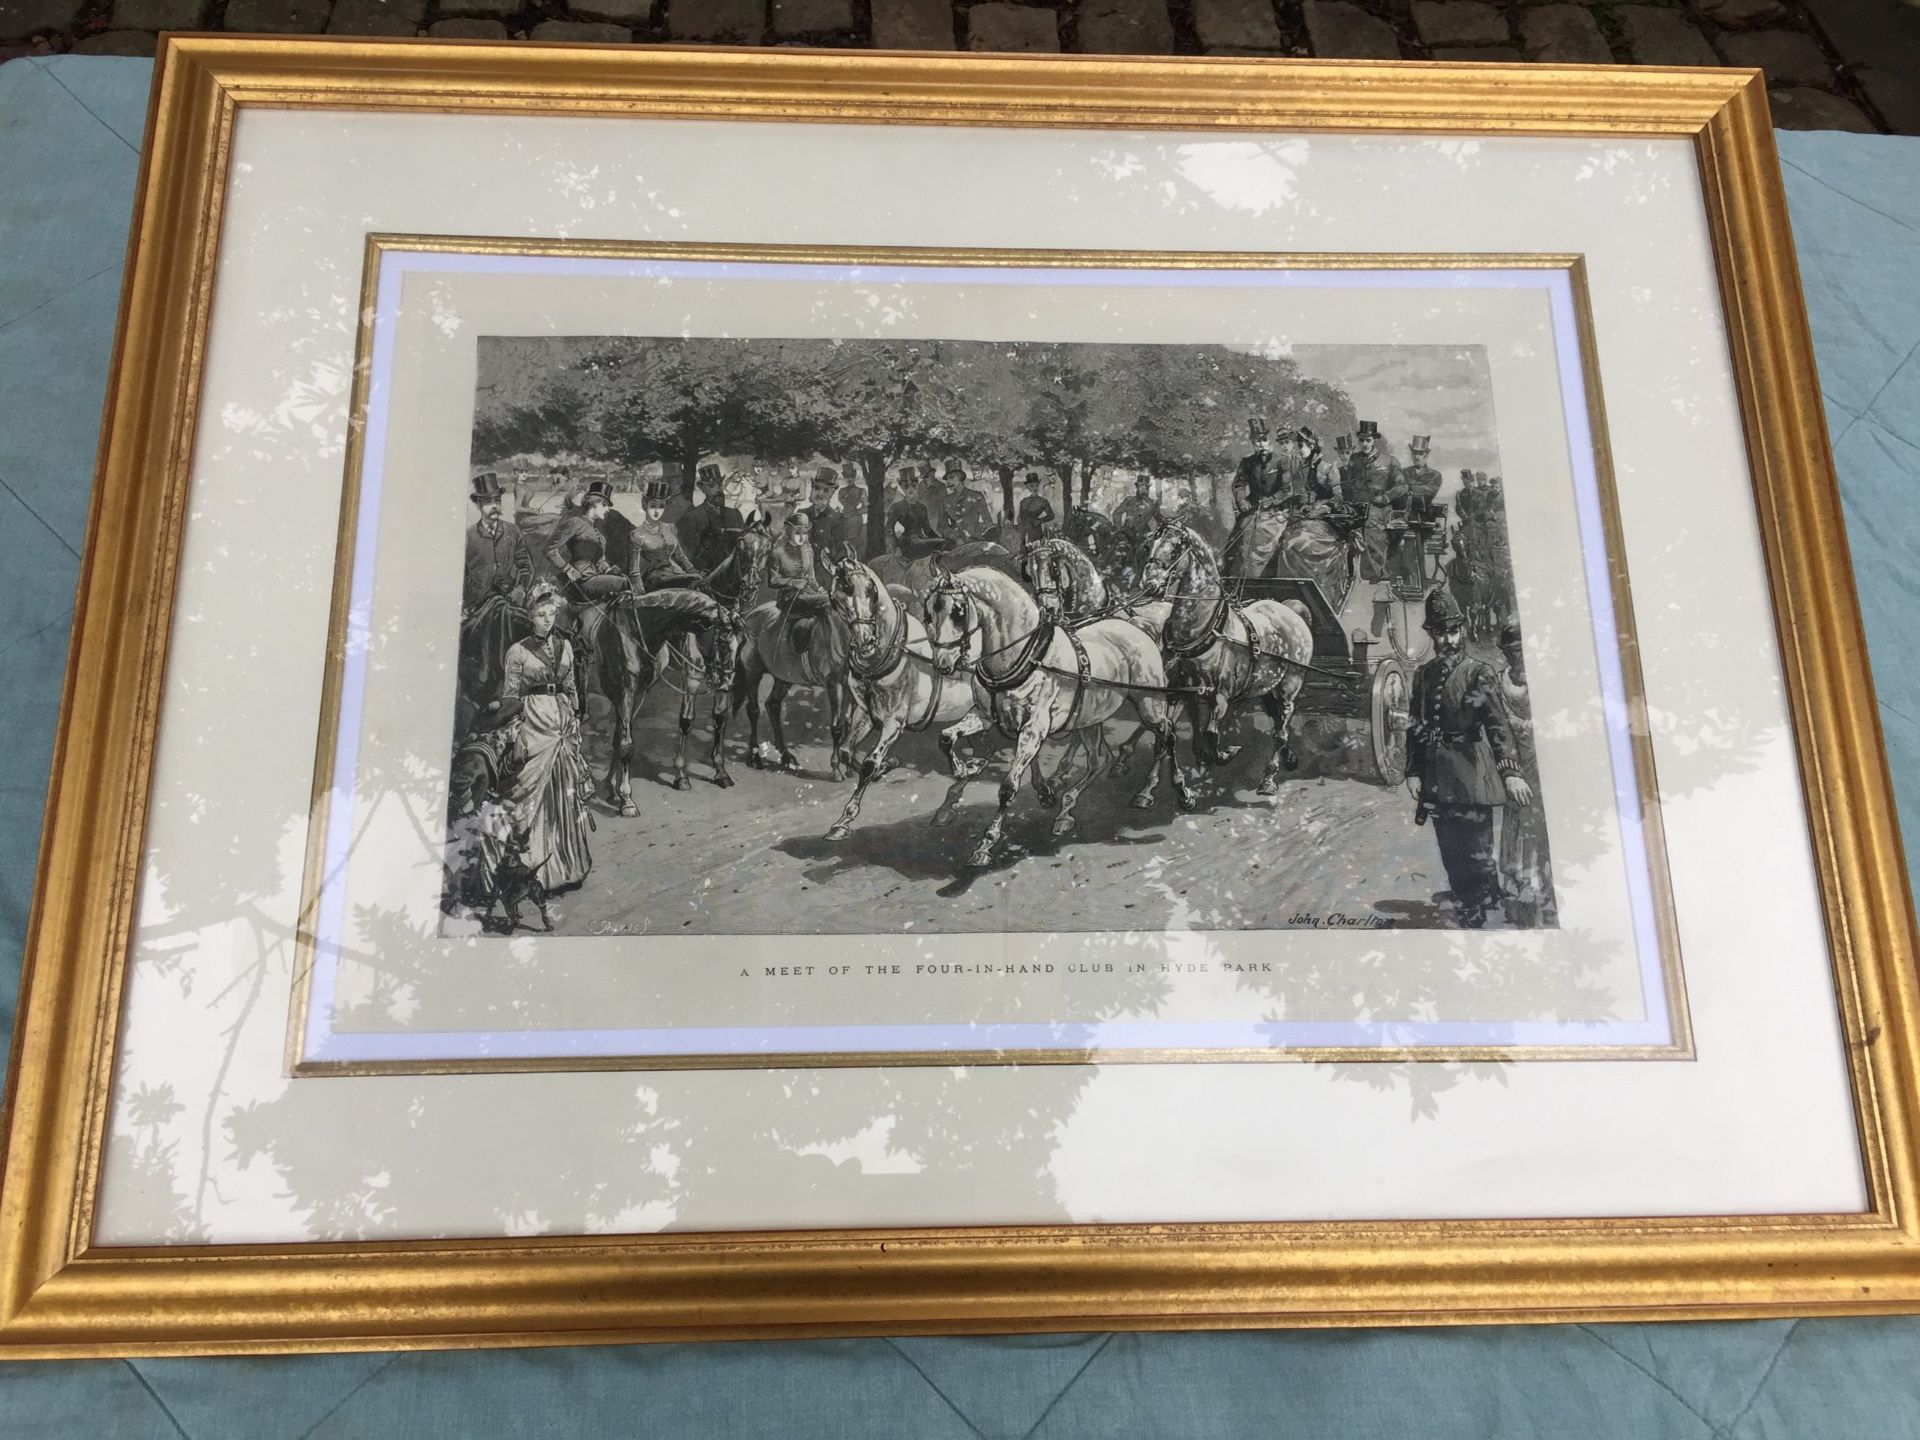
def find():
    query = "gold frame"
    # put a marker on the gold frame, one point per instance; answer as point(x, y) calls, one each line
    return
point(60, 1295)
point(1678, 1047)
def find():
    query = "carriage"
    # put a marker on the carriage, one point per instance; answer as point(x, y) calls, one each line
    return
point(1368, 637)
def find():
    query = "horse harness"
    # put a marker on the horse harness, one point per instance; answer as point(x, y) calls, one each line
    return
point(889, 657)
point(1029, 661)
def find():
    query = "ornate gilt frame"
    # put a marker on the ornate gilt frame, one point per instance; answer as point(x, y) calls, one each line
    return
point(62, 1296)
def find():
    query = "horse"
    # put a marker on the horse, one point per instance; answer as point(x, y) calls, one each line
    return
point(1039, 679)
point(768, 650)
point(634, 632)
point(892, 683)
point(919, 574)
point(1230, 652)
point(732, 580)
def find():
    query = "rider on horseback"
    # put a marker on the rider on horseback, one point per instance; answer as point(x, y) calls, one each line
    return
point(795, 585)
point(578, 551)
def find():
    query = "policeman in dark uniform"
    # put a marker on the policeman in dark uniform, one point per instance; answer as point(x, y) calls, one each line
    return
point(1461, 754)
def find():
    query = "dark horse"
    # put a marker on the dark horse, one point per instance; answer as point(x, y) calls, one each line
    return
point(634, 634)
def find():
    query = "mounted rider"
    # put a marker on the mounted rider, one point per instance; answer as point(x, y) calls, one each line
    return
point(915, 535)
point(589, 580)
point(1462, 756)
point(795, 582)
point(968, 516)
point(658, 560)
point(1137, 518)
point(1413, 516)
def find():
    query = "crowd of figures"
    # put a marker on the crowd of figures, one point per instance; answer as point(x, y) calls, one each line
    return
point(1044, 626)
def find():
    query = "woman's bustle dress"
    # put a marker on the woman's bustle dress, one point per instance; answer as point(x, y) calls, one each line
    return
point(547, 785)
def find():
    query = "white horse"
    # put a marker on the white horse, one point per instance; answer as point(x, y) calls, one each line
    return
point(1038, 679)
point(892, 682)
point(1233, 653)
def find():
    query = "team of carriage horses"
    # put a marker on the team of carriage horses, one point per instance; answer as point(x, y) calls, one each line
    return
point(1043, 643)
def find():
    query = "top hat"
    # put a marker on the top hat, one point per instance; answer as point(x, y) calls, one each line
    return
point(709, 474)
point(956, 469)
point(1343, 444)
point(1257, 430)
point(1481, 476)
point(597, 490)
point(1420, 444)
point(487, 486)
point(826, 475)
point(1443, 612)
point(1369, 428)
point(1466, 477)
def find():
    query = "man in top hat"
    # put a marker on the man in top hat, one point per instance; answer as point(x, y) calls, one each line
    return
point(1421, 480)
point(795, 583)
point(1035, 516)
point(1410, 505)
point(915, 536)
point(1372, 478)
point(499, 571)
point(1250, 476)
point(1462, 758)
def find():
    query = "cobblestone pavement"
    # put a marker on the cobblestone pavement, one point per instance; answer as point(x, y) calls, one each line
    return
point(1831, 64)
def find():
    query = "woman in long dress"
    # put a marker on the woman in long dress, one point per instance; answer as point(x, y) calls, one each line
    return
point(1526, 872)
point(547, 787)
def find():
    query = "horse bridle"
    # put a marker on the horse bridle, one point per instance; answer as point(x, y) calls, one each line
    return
point(883, 654)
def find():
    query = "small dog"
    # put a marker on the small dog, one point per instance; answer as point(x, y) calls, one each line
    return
point(516, 882)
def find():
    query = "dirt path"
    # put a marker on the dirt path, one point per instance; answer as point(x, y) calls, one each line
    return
point(753, 859)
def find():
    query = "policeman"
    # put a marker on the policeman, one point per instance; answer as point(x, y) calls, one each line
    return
point(1461, 754)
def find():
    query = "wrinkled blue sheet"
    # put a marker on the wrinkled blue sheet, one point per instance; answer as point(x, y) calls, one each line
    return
point(69, 137)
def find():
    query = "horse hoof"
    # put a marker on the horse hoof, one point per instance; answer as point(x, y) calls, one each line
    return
point(723, 780)
point(1269, 787)
point(838, 832)
point(1047, 798)
point(980, 858)
point(681, 782)
point(629, 809)
point(1187, 800)
point(1141, 802)
point(1063, 827)
point(1290, 758)
point(753, 760)
point(790, 762)
point(969, 769)
point(837, 774)
point(942, 816)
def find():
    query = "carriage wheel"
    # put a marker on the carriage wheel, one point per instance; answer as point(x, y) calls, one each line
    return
point(1387, 721)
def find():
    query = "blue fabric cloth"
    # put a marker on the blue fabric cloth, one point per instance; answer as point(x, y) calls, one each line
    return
point(69, 134)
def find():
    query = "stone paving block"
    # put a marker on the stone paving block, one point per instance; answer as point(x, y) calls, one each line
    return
point(575, 30)
point(1246, 24)
point(1788, 57)
point(810, 17)
point(912, 25)
point(156, 15)
point(465, 28)
point(1895, 95)
point(495, 8)
point(1880, 41)
point(1800, 108)
point(116, 42)
point(377, 17)
point(1346, 32)
point(278, 17)
point(1500, 54)
point(744, 21)
point(1656, 36)
point(20, 18)
point(1738, 14)
point(997, 26)
point(1563, 35)
point(615, 12)
point(1459, 22)
point(1125, 27)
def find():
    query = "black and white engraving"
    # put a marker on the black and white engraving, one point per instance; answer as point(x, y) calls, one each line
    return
point(867, 637)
